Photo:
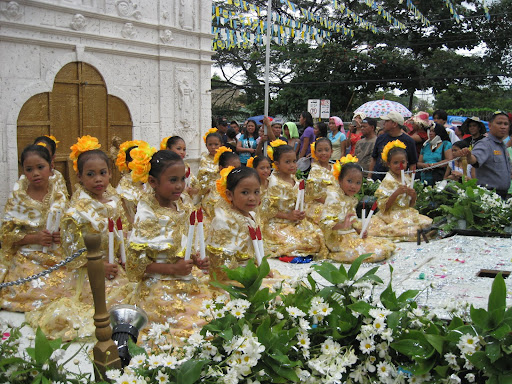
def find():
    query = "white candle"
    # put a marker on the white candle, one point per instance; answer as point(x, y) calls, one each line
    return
point(260, 244)
point(49, 226)
point(367, 221)
point(255, 245)
point(413, 175)
point(111, 241)
point(56, 225)
point(363, 215)
point(200, 234)
point(190, 235)
point(402, 174)
point(119, 225)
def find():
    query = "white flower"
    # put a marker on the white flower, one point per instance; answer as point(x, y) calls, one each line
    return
point(155, 361)
point(162, 377)
point(295, 312)
point(304, 324)
point(195, 339)
point(303, 340)
point(238, 312)
point(379, 313)
point(379, 325)
point(450, 358)
point(383, 369)
point(358, 374)
point(367, 346)
point(169, 361)
point(218, 314)
point(330, 347)
point(57, 354)
point(453, 379)
point(382, 348)
point(468, 343)
point(207, 305)
point(138, 360)
point(387, 335)
point(470, 377)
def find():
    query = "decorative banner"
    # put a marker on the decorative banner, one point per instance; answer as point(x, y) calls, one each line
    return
point(354, 16)
point(486, 11)
point(385, 14)
point(417, 14)
point(454, 13)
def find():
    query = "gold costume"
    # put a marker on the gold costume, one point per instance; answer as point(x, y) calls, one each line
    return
point(23, 216)
point(229, 243)
point(85, 215)
point(130, 193)
point(283, 237)
point(159, 236)
point(400, 222)
point(345, 245)
point(206, 177)
point(319, 184)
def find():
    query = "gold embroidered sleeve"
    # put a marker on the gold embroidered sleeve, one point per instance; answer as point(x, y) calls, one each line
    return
point(316, 188)
point(383, 193)
point(269, 204)
point(137, 261)
point(72, 240)
point(11, 233)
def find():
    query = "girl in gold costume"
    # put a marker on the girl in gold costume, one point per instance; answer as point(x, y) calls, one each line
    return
point(337, 221)
point(28, 245)
point(208, 172)
point(229, 242)
point(286, 230)
point(263, 166)
point(320, 181)
point(177, 144)
point(166, 290)
point(94, 208)
point(130, 191)
point(397, 219)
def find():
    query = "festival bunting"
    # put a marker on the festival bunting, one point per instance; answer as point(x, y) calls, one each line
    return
point(417, 14)
point(454, 13)
point(354, 16)
point(385, 14)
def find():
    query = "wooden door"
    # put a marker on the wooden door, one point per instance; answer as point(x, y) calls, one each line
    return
point(78, 105)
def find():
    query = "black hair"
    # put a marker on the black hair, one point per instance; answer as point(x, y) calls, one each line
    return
point(461, 144)
point(161, 160)
point(258, 159)
point(226, 157)
point(127, 153)
point(173, 140)
point(346, 168)
point(222, 121)
point(231, 133)
point(499, 113)
point(393, 151)
point(282, 149)
point(309, 119)
point(322, 127)
point(323, 140)
point(238, 174)
point(441, 114)
point(47, 141)
point(39, 150)
point(371, 122)
point(441, 132)
point(214, 134)
point(255, 133)
point(87, 155)
point(235, 122)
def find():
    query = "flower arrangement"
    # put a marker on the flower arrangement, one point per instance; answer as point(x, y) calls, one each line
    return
point(121, 156)
point(163, 143)
point(336, 168)
point(250, 162)
point(389, 146)
point(84, 144)
point(299, 330)
point(274, 144)
point(221, 183)
point(140, 164)
point(313, 153)
point(219, 152)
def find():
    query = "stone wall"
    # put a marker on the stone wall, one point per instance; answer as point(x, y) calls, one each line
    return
point(153, 54)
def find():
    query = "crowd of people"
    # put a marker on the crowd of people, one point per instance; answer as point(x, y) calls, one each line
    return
point(245, 198)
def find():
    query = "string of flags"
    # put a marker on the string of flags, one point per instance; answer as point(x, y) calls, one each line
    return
point(417, 14)
point(385, 14)
point(454, 13)
point(354, 16)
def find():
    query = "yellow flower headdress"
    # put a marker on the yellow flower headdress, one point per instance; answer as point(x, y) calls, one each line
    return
point(313, 153)
point(54, 139)
point(336, 168)
point(219, 152)
point(84, 144)
point(274, 144)
point(211, 130)
point(222, 183)
point(250, 162)
point(163, 143)
point(140, 166)
point(389, 146)
point(42, 144)
point(121, 156)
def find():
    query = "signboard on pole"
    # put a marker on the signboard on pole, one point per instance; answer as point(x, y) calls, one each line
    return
point(314, 108)
point(325, 109)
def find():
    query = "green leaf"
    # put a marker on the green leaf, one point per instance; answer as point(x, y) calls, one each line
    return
point(43, 350)
point(501, 332)
point(411, 348)
point(283, 370)
point(134, 349)
point(423, 366)
point(505, 379)
point(436, 341)
point(330, 273)
point(480, 317)
point(480, 360)
point(455, 323)
point(361, 307)
point(493, 351)
point(388, 298)
point(407, 295)
point(442, 370)
point(497, 297)
point(190, 371)
point(393, 319)
point(356, 264)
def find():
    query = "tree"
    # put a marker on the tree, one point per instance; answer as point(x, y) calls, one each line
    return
point(350, 70)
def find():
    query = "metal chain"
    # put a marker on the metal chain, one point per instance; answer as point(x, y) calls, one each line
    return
point(418, 170)
point(45, 272)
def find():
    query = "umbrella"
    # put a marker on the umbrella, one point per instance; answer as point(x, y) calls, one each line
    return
point(259, 119)
point(378, 108)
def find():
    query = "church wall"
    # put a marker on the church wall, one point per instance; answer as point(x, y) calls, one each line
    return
point(155, 55)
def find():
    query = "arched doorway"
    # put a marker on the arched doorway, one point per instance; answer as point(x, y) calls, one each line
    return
point(78, 105)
